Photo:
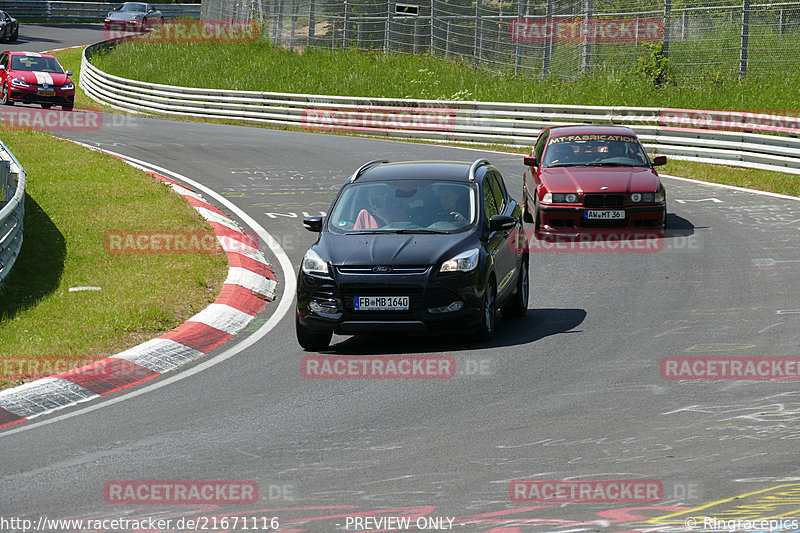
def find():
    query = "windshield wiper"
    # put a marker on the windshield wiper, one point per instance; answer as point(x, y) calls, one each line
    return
point(608, 164)
point(426, 231)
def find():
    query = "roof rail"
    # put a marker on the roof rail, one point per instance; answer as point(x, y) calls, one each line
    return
point(364, 167)
point(474, 167)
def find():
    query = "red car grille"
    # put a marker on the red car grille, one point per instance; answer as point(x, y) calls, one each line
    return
point(603, 200)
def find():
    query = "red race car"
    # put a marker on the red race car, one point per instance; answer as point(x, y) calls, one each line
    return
point(34, 78)
point(581, 178)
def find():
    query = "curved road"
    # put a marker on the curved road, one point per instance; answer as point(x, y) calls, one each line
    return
point(571, 391)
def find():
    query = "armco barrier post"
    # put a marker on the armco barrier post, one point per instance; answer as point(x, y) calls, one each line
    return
point(5, 168)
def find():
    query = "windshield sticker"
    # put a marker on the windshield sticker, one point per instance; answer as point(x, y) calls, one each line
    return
point(592, 137)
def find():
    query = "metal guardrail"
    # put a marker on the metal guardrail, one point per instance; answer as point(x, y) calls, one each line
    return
point(662, 131)
point(12, 210)
point(60, 10)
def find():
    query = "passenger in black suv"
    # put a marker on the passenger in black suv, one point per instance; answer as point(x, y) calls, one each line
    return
point(413, 246)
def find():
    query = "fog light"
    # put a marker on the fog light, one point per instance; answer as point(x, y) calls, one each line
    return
point(323, 308)
point(455, 306)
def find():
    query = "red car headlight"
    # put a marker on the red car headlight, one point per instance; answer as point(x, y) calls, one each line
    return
point(561, 198)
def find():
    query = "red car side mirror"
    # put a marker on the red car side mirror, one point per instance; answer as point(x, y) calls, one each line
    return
point(530, 161)
point(659, 160)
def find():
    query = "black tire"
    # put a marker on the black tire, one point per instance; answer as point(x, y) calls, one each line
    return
point(4, 97)
point(46, 106)
point(15, 35)
point(309, 340)
point(4, 37)
point(518, 305)
point(488, 313)
point(67, 107)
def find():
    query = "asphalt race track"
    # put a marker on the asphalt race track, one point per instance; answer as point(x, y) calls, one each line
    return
point(573, 390)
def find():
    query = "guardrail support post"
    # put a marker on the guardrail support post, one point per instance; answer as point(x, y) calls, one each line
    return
point(5, 168)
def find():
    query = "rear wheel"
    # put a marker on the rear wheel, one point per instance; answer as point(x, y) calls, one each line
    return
point(66, 107)
point(518, 305)
point(488, 312)
point(311, 340)
point(15, 35)
point(47, 106)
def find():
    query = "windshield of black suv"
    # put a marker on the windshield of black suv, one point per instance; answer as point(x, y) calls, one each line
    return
point(405, 206)
point(594, 150)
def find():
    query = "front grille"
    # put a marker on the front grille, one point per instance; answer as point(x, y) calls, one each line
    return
point(394, 270)
point(603, 200)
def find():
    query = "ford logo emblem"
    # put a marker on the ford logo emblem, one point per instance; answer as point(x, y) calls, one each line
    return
point(382, 270)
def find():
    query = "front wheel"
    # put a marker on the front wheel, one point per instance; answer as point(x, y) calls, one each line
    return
point(309, 340)
point(15, 35)
point(5, 99)
point(47, 106)
point(67, 107)
point(526, 212)
point(488, 313)
point(518, 305)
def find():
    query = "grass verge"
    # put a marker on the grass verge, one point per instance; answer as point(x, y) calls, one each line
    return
point(69, 207)
point(260, 66)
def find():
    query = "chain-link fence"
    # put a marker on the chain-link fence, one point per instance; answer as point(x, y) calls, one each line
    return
point(562, 38)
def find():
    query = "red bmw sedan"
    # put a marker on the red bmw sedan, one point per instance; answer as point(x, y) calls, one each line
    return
point(583, 178)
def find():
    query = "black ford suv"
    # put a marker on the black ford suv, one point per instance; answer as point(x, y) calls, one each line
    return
point(414, 246)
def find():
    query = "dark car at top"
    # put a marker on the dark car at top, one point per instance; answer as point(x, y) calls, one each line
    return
point(34, 78)
point(133, 16)
point(9, 27)
point(585, 178)
point(413, 246)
